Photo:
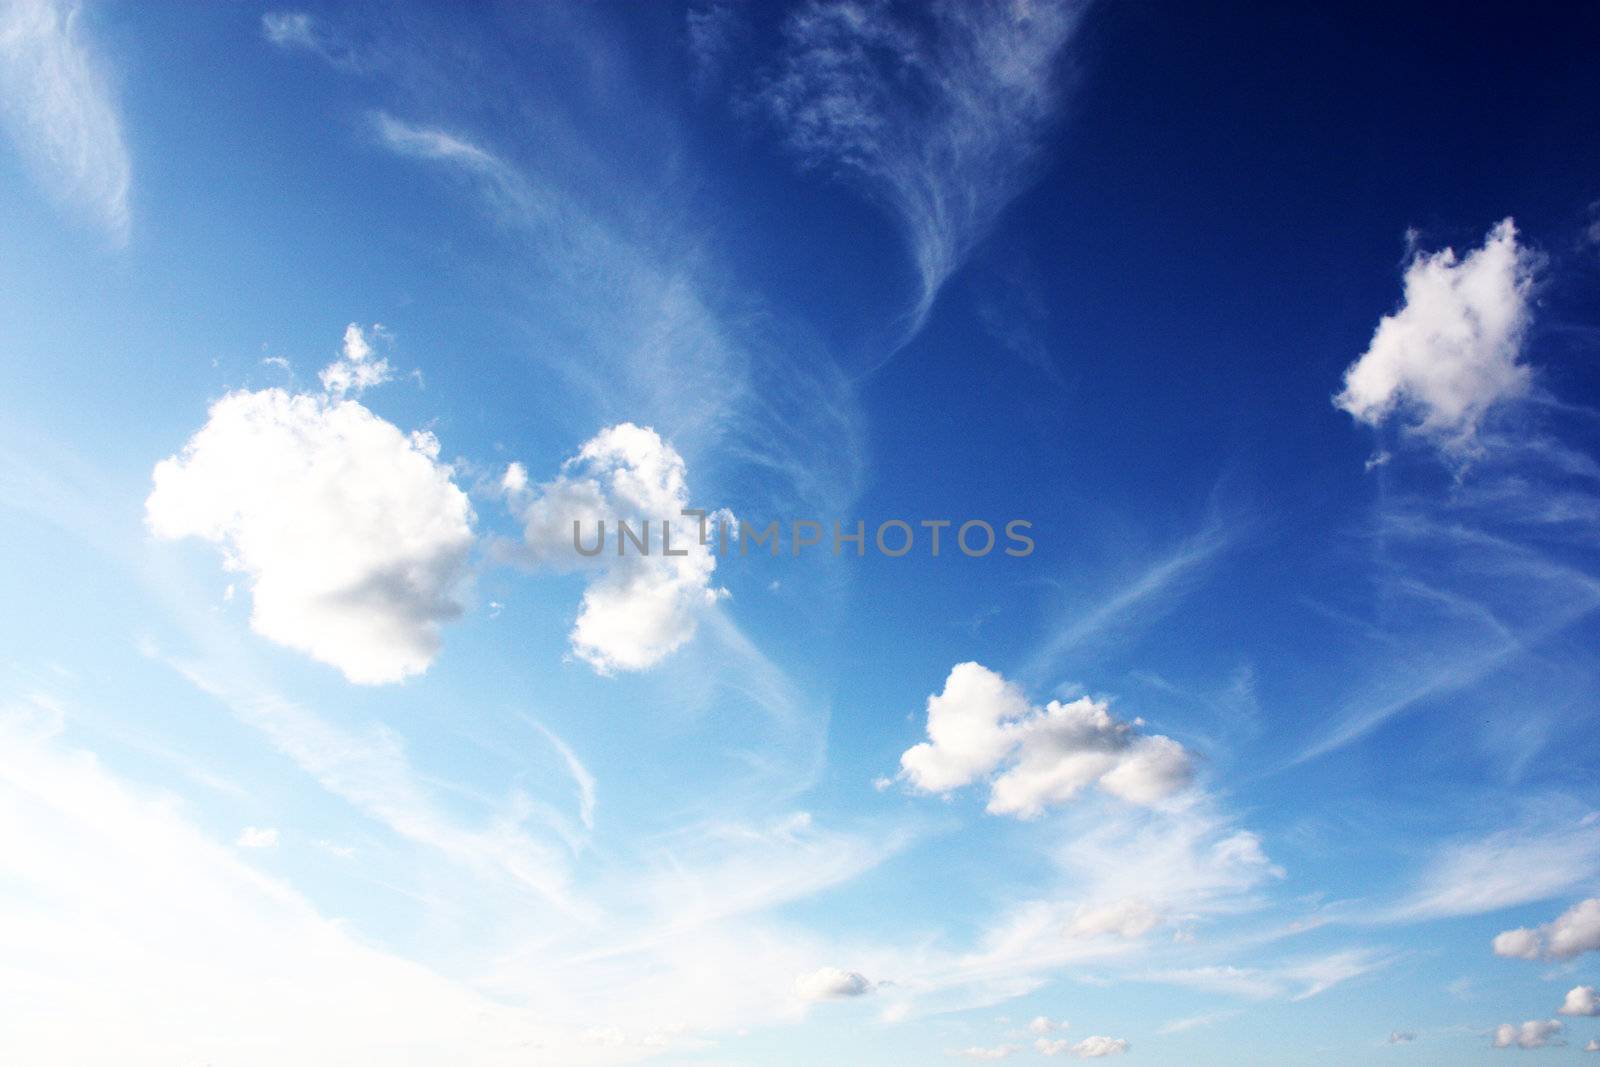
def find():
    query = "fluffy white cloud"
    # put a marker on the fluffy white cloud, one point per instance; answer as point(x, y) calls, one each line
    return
point(1043, 1024)
point(1089, 1048)
point(1574, 932)
point(1535, 1033)
point(637, 608)
point(356, 369)
point(1521, 944)
point(58, 107)
point(1452, 350)
point(1401, 1037)
point(981, 722)
point(993, 1052)
point(831, 983)
point(257, 837)
point(1581, 1000)
point(1592, 1046)
point(353, 535)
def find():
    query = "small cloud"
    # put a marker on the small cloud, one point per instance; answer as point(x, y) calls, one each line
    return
point(1574, 932)
point(291, 29)
point(1581, 1000)
point(1088, 1049)
point(1401, 1037)
point(831, 983)
point(257, 837)
point(995, 1052)
point(638, 607)
point(1535, 1033)
point(356, 370)
point(1453, 350)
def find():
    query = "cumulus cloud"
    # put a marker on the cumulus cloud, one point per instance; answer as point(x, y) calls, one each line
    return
point(637, 608)
point(936, 120)
point(1521, 944)
point(356, 369)
point(1574, 932)
point(1401, 1037)
point(992, 1052)
point(1088, 1049)
point(352, 534)
point(831, 983)
point(1581, 1000)
point(1592, 1046)
point(1535, 1033)
point(1453, 349)
point(59, 109)
point(1043, 1024)
point(981, 723)
point(257, 837)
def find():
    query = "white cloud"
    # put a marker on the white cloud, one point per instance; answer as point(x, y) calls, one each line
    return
point(355, 370)
point(1541, 858)
point(1592, 1046)
point(831, 983)
point(637, 608)
point(1535, 1033)
point(291, 29)
point(1521, 944)
point(1042, 1024)
point(1125, 918)
point(257, 837)
point(353, 534)
point(992, 1052)
point(303, 32)
point(1295, 980)
point(938, 121)
point(1401, 1037)
point(1581, 1000)
point(1452, 350)
point(981, 722)
point(1574, 932)
point(116, 912)
point(58, 107)
point(1087, 1049)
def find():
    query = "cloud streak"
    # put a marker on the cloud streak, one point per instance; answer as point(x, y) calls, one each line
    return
point(59, 108)
point(939, 122)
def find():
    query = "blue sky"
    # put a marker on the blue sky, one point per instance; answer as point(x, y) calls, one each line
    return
point(319, 327)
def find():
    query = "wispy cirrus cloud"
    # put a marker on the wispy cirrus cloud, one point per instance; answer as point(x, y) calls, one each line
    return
point(59, 107)
point(1149, 592)
point(664, 348)
point(938, 120)
point(1546, 855)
